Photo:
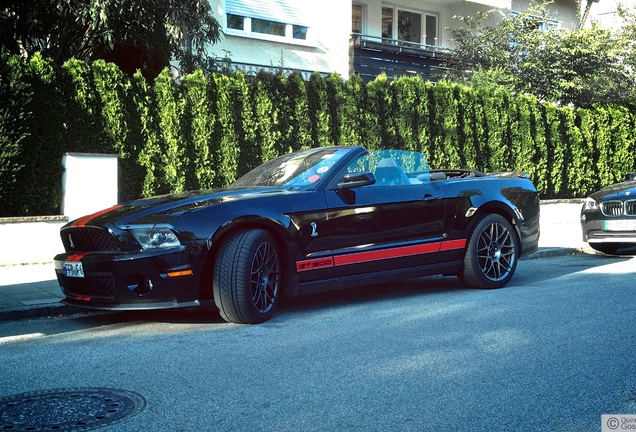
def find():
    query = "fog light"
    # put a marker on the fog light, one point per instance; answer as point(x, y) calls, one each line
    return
point(141, 289)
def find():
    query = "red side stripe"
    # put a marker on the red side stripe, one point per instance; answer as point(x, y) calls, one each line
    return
point(360, 257)
point(86, 219)
point(453, 244)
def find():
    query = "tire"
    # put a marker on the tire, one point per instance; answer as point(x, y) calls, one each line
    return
point(246, 279)
point(492, 254)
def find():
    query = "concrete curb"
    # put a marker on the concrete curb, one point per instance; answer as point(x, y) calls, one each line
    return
point(39, 311)
point(554, 252)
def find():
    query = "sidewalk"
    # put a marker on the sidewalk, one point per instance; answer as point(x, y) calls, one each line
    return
point(32, 290)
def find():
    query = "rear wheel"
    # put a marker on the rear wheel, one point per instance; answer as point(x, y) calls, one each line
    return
point(246, 278)
point(491, 255)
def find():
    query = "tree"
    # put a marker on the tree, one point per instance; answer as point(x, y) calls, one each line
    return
point(523, 54)
point(144, 34)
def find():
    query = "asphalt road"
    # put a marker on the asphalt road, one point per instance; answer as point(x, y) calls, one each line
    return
point(552, 351)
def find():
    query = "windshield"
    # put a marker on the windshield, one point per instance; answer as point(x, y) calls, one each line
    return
point(392, 167)
point(301, 170)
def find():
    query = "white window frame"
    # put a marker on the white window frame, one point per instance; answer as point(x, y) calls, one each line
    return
point(288, 38)
point(424, 14)
point(363, 17)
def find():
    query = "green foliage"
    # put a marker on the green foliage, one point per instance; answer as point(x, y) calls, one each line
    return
point(39, 181)
point(623, 158)
point(411, 114)
point(297, 126)
point(524, 148)
point(556, 151)
point(380, 102)
point(577, 67)
point(335, 101)
point(112, 87)
point(268, 114)
point(356, 118)
point(144, 34)
point(248, 154)
point(149, 157)
point(198, 127)
point(444, 130)
point(206, 130)
point(15, 96)
point(170, 110)
point(319, 114)
point(226, 142)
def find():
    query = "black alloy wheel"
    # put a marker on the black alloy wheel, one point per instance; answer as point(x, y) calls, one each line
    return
point(246, 279)
point(491, 255)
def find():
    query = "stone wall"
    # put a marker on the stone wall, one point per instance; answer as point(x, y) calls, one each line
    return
point(30, 240)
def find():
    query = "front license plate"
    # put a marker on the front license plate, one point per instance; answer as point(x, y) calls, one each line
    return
point(73, 269)
point(619, 225)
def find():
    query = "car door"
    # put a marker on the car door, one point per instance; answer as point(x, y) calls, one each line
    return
point(394, 223)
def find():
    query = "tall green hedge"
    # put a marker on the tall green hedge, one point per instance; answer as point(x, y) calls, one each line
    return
point(204, 131)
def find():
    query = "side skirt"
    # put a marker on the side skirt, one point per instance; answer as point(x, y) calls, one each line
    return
point(446, 268)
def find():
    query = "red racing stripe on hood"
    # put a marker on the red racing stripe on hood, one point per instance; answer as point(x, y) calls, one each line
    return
point(81, 222)
point(76, 257)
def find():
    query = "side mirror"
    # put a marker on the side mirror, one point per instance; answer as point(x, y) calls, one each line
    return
point(356, 180)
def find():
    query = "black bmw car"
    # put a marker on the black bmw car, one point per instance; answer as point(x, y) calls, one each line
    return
point(320, 219)
point(608, 218)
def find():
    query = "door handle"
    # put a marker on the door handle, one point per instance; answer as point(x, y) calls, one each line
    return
point(430, 198)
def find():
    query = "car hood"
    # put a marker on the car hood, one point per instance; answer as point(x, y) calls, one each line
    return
point(616, 191)
point(163, 208)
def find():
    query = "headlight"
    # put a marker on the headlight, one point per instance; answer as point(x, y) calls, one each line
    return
point(589, 204)
point(155, 237)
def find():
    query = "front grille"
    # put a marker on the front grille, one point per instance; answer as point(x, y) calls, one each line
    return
point(630, 208)
point(93, 286)
point(89, 240)
point(612, 208)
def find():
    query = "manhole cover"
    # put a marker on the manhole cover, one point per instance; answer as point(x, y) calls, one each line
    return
point(78, 409)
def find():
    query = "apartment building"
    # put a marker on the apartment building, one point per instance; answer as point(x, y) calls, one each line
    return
point(399, 37)
point(605, 12)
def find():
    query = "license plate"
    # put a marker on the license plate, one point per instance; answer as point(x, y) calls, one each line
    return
point(619, 225)
point(73, 269)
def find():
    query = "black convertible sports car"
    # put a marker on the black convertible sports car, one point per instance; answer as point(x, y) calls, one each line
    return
point(608, 217)
point(320, 219)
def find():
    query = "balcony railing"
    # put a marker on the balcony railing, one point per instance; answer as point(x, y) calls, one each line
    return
point(373, 55)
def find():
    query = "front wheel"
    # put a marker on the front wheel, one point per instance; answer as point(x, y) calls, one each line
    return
point(491, 255)
point(246, 279)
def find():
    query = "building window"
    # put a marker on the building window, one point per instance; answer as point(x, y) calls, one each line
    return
point(409, 26)
point(431, 30)
point(268, 27)
point(299, 32)
point(387, 23)
point(357, 19)
point(276, 20)
point(413, 27)
point(235, 22)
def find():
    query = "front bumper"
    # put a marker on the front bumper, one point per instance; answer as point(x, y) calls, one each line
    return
point(131, 281)
point(594, 232)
